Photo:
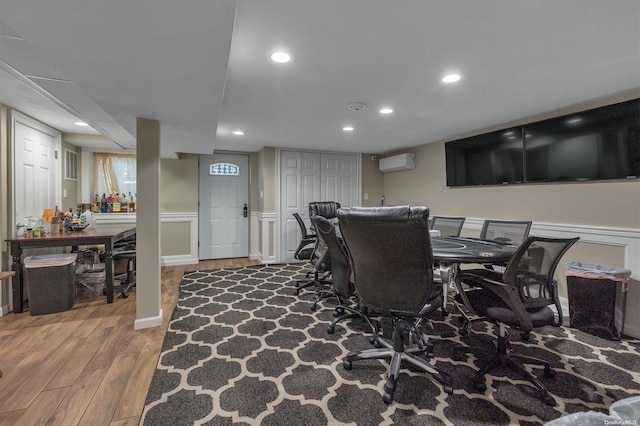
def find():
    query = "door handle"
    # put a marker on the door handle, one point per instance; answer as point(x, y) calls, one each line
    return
point(244, 210)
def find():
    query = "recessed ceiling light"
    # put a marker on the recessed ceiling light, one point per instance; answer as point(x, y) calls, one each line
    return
point(238, 132)
point(281, 57)
point(451, 78)
point(81, 124)
point(348, 128)
point(574, 120)
point(386, 111)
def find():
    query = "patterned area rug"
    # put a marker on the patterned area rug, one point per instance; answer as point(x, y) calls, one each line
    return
point(242, 349)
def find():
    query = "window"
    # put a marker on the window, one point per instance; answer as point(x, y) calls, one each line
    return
point(224, 169)
point(114, 174)
point(70, 165)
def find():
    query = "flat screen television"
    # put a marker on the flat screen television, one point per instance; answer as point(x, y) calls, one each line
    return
point(490, 159)
point(601, 143)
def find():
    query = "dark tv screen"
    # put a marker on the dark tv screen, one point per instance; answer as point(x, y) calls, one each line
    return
point(489, 159)
point(602, 143)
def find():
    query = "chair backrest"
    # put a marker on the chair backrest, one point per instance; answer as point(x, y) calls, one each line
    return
point(392, 259)
point(448, 226)
point(303, 228)
point(326, 209)
point(340, 266)
point(507, 231)
point(320, 259)
point(531, 269)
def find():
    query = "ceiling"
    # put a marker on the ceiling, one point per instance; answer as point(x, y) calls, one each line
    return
point(202, 67)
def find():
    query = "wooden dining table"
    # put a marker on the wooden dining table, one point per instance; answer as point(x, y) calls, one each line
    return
point(106, 235)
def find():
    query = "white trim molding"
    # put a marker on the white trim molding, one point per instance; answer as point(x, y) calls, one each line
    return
point(141, 323)
point(265, 234)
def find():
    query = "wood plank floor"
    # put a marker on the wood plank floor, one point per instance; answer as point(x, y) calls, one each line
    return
point(86, 366)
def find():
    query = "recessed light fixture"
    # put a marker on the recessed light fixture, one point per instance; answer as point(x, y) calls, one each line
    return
point(81, 124)
point(348, 128)
point(451, 78)
point(281, 57)
point(386, 110)
point(238, 132)
point(574, 120)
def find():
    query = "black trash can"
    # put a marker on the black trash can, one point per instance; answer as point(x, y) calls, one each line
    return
point(50, 279)
point(597, 298)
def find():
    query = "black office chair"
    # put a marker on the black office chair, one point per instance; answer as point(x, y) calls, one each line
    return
point(392, 262)
point(321, 268)
point(326, 209)
point(307, 241)
point(520, 298)
point(126, 249)
point(505, 231)
point(342, 286)
point(448, 226)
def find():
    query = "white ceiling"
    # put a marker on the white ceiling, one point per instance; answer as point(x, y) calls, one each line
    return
point(202, 69)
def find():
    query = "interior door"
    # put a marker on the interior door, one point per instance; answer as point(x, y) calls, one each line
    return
point(36, 169)
point(300, 185)
point(223, 206)
point(339, 179)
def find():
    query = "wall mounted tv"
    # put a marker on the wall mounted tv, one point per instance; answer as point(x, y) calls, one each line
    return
point(601, 143)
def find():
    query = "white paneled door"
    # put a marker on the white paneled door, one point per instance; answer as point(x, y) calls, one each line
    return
point(36, 168)
point(223, 206)
point(312, 176)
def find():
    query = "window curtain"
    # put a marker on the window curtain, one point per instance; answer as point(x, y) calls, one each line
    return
point(114, 173)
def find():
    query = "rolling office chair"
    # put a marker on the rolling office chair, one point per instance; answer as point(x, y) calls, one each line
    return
point(342, 286)
point(448, 226)
point(392, 262)
point(520, 298)
point(307, 241)
point(321, 268)
point(505, 231)
point(126, 249)
point(502, 231)
point(326, 209)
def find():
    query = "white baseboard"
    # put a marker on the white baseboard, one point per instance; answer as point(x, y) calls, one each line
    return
point(181, 259)
point(149, 322)
point(4, 310)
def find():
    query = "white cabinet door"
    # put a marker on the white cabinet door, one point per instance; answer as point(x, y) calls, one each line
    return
point(310, 176)
point(300, 184)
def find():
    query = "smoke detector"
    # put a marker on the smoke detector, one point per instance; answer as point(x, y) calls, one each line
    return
point(356, 106)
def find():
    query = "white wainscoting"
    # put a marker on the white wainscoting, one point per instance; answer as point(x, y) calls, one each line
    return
point(263, 232)
point(188, 217)
point(628, 239)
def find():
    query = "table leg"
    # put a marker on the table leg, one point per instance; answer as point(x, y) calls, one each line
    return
point(108, 270)
point(18, 279)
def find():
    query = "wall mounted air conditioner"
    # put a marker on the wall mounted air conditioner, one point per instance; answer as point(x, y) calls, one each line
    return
point(396, 163)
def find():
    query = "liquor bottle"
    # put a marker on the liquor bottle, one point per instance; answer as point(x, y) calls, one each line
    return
point(103, 203)
point(116, 203)
point(132, 204)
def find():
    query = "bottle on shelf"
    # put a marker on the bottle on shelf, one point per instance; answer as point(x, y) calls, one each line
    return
point(103, 204)
point(132, 203)
point(116, 203)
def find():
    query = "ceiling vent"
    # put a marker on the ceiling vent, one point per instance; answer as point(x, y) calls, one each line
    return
point(397, 163)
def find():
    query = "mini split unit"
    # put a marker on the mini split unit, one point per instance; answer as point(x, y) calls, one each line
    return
point(397, 163)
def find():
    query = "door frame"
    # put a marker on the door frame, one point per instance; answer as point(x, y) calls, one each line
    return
point(18, 117)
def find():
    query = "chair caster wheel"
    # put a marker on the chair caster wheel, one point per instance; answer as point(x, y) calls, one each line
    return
point(463, 331)
point(296, 292)
point(550, 401)
point(480, 385)
point(347, 365)
point(448, 389)
point(549, 372)
point(387, 398)
point(331, 330)
point(124, 295)
point(457, 356)
point(525, 336)
point(314, 307)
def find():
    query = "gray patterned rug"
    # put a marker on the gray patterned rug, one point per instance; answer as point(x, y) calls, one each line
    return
point(242, 349)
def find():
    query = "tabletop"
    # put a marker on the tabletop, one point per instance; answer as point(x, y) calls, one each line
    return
point(470, 250)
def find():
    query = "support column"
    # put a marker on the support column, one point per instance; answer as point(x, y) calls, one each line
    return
point(148, 284)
